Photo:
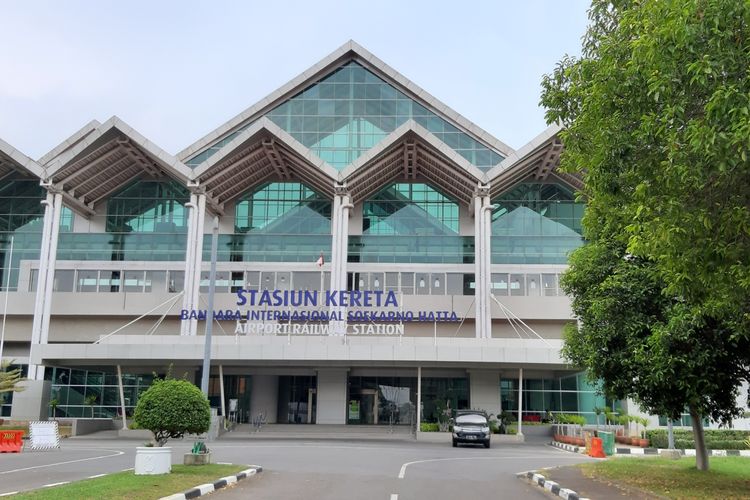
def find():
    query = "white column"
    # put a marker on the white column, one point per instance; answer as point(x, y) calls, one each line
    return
point(200, 219)
point(187, 297)
point(221, 389)
point(335, 246)
point(482, 277)
point(122, 398)
point(44, 286)
point(419, 397)
point(50, 283)
point(339, 249)
point(478, 249)
point(487, 262)
point(520, 401)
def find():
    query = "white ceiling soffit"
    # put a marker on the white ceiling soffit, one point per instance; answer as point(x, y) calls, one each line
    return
point(538, 159)
point(414, 154)
point(351, 50)
point(70, 142)
point(12, 159)
point(107, 158)
point(261, 153)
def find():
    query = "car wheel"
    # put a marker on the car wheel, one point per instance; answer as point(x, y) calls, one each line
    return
point(487, 444)
point(455, 443)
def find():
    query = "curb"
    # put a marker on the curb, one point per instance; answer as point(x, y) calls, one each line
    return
point(205, 489)
point(550, 486)
point(655, 451)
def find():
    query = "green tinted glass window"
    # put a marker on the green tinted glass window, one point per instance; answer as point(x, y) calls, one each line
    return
point(410, 210)
point(283, 208)
point(148, 207)
point(21, 220)
point(349, 111)
point(536, 223)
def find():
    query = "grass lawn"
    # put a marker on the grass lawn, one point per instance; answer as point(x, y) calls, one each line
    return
point(128, 485)
point(727, 478)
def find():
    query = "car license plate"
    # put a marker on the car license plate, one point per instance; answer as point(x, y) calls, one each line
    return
point(471, 437)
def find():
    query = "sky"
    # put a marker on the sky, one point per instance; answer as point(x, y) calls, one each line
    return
point(177, 69)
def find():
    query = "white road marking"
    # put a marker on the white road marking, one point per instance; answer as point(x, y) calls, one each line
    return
point(8, 494)
point(116, 454)
point(394, 496)
point(95, 476)
point(402, 472)
point(55, 484)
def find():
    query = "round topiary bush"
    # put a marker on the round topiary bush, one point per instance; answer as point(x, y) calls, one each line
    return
point(172, 408)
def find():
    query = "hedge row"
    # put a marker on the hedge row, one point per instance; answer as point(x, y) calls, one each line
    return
point(716, 439)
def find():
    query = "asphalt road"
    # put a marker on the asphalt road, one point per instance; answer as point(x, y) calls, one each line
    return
point(314, 469)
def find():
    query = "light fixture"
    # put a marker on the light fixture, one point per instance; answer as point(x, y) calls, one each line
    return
point(437, 282)
point(376, 283)
point(361, 283)
point(532, 285)
point(421, 282)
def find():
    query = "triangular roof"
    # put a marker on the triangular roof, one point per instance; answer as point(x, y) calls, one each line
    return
point(412, 152)
point(255, 155)
point(539, 158)
point(12, 159)
point(70, 142)
point(350, 51)
point(112, 155)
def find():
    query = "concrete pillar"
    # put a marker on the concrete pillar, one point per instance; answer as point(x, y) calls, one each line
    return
point(264, 397)
point(482, 276)
point(520, 401)
point(332, 389)
point(484, 390)
point(194, 261)
point(187, 297)
point(419, 397)
point(32, 403)
point(339, 249)
point(122, 398)
point(45, 282)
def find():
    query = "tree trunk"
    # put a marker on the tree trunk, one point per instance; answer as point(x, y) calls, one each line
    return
point(701, 454)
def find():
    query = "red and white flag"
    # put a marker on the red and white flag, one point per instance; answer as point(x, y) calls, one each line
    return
point(320, 260)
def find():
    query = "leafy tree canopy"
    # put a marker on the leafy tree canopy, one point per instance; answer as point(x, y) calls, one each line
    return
point(171, 408)
point(657, 118)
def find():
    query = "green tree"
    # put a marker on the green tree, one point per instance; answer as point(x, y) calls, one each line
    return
point(171, 408)
point(657, 119)
point(10, 378)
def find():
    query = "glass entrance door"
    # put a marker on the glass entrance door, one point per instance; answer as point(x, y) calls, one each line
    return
point(363, 407)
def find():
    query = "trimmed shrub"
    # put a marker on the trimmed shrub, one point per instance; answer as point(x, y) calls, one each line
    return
point(172, 408)
point(427, 427)
point(716, 439)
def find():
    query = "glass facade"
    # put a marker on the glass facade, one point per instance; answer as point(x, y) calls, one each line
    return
point(297, 399)
point(410, 223)
point(21, 219)
point(350, 111)
point(146, 221)
point(73, 388)
point(568, 394)
point(536, 223)
point(277, 222)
